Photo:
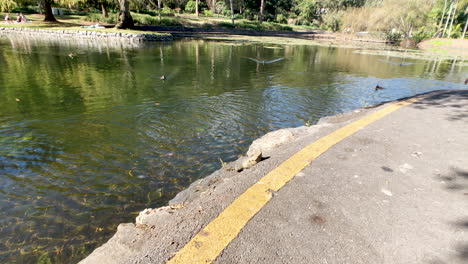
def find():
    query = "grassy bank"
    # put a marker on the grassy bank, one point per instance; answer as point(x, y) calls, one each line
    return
point(164, 20)
point(70, 22)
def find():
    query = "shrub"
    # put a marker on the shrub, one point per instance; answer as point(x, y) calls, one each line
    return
point(333, 20)
point(393, 36)
point(144, 19)
point(280, 18)
point(208, 13)
point(167, 10)
point(226, 25)
point(99, 18)
point(250, 25)
point(190, 6)
point(421, 35)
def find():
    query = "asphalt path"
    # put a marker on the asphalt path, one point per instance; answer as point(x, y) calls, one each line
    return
point(387, 184)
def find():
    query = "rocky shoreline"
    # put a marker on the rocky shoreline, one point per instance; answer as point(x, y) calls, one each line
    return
point(205, 198)
point(87, 34)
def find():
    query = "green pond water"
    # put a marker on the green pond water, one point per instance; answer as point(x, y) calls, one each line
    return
point(90, 135)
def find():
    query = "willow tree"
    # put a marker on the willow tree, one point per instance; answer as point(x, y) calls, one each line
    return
point(7, 5)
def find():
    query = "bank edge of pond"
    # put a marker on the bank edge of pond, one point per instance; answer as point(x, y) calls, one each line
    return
point(172, 226)
point(87, 33)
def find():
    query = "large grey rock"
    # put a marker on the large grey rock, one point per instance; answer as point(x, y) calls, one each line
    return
point(150, 217)
point(270, 141)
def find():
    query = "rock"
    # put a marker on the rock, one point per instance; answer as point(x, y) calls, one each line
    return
point(150, 216)
point(405, 168)
point(270, 141)
point(254, 157)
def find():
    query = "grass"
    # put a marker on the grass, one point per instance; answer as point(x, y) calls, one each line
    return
point(152, 19)
point(71, 22)
point(439, 42)
point(250, 25)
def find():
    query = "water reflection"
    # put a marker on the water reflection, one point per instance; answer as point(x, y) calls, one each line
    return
point(87, 142)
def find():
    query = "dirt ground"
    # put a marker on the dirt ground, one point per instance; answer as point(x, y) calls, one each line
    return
point(458, 47)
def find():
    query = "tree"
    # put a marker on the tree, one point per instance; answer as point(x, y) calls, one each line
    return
point(448, 18)
point(451, 22)
point(125, 18)
point(232, 11)
point(48, 15)
point(7, 5)
point(466, 23)
point(196, 7)
point(104, 9)
point(441, 18)
point(262, 6)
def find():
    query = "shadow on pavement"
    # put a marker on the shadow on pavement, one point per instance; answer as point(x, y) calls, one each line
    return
point(456, 99)
point(457, 181)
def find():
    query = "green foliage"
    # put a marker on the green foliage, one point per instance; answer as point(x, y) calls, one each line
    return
point(208, 13)
point(457, 31)
point(226, 25)
point(7, 5)
point(393, 37)
point(280, 18)
point(147, 20)
point(421, 35)
point(250, 25)
point(25, 9)
point(190, 6)
point(333, 20)
point(99, 18)
point(167, 10)
point(415, 19)
point(44, 259)
point(307, 9)
point(139, 19)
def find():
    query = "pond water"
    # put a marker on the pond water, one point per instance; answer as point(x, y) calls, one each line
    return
point(90, 135)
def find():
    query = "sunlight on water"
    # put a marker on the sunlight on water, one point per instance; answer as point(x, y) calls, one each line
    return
point(87, 142)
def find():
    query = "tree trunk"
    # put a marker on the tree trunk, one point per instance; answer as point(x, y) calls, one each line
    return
point(464, 30)
point(441, 19)
point(262, 4)
point(125, 18)
point(48, 15)
point(451, 22)
point(446, 21)
point(196, 7)
point(104, 9)
point(159, 10)
point(232, 11)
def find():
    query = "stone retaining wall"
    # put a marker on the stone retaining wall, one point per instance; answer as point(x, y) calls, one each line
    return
point(90, 34)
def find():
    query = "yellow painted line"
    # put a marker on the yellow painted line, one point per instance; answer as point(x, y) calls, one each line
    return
point(206, 246)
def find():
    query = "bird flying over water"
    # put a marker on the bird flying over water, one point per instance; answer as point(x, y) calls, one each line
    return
point(264, 62)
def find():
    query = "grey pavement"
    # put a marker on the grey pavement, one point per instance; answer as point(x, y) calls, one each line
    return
point(393, 192)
